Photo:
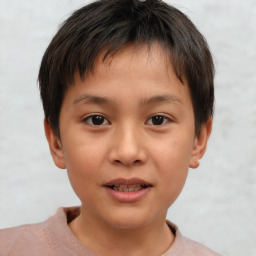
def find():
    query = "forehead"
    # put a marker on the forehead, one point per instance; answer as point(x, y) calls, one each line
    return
point(149, 56)
point(144, 71)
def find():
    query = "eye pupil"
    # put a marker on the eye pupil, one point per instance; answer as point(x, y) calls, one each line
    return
point(97, 120)
point(157, 120)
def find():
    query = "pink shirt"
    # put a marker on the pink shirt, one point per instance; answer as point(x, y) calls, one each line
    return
point(53, 237)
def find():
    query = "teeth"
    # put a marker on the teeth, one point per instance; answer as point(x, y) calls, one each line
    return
point(128, 188)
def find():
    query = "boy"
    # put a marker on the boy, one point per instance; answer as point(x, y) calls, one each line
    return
point(127, 91)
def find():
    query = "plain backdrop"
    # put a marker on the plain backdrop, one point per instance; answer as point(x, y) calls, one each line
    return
point(218, 204)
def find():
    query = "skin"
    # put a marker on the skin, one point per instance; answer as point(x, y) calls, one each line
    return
point(128, 90)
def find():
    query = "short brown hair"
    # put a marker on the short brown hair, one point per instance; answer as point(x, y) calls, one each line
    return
point(113, 24)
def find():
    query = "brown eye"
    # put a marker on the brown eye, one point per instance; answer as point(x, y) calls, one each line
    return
point(157, 120)
point(96, 120)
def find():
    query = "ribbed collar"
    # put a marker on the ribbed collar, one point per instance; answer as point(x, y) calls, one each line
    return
point(62, 235)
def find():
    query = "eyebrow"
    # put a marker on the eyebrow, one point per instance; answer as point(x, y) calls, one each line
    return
point(86, 98)
point(93, 99)
point(161, 99)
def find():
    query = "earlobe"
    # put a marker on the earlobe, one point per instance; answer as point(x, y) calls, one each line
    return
point(200, 144)
point(54, 146)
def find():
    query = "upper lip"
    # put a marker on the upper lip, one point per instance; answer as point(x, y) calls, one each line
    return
point(123, 181)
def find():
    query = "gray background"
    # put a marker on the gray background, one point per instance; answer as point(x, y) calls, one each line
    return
point(217, 206)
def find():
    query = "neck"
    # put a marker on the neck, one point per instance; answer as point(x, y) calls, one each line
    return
point(151, 239)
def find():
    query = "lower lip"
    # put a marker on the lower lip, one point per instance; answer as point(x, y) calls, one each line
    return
point(128, 197)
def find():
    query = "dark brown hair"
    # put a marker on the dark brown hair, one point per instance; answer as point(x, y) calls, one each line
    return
point(110, 25)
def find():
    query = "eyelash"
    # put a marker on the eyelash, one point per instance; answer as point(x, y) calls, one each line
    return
point(106, 122)
point(162, 118)
point(94, 116)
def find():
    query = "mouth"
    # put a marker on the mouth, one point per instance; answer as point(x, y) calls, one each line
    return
point(128, 185)
point(128, 188)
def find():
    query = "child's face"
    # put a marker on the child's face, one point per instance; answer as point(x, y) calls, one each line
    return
point(130, 122)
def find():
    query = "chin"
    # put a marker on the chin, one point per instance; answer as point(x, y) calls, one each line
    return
point(128, 224)
point(130, 219)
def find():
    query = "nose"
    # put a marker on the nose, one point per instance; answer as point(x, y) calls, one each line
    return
point(127, 147)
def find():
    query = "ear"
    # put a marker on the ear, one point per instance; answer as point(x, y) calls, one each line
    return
point(200, 144)
point(55, 146)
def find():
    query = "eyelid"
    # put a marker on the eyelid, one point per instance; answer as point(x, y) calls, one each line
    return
point(167, 119)
point(87, 117)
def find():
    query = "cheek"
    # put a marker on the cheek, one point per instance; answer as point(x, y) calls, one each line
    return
point(83, 172)
point(171, 160)
point(172, 154)
point(83, 152)
point(83, 161)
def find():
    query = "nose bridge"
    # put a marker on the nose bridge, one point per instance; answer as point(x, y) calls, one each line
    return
point(128, 147)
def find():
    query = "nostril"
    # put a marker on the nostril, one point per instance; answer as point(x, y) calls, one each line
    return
point(117, 162)
point(122, 162)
